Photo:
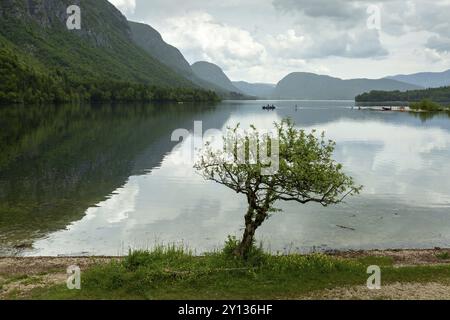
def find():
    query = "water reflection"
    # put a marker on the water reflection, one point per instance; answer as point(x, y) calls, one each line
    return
point(57, 161)
point(127, 186)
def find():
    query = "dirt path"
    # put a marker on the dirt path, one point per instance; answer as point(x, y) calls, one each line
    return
point(18, 276)
point(396, 291)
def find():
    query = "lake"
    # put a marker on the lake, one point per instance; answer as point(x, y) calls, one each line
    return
point(98, 180)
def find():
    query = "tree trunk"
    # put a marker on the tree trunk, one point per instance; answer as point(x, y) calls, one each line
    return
point(247, 239)
point(246, 244)
point(252, 222)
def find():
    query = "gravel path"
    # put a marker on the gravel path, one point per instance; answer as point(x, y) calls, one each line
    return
point(396, 291)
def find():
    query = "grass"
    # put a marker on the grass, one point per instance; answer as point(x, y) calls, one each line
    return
point(174, 273)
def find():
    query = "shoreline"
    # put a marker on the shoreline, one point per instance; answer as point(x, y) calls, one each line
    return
point(14, 265)
point(409, 273)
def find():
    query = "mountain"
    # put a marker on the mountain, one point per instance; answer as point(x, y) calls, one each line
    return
point(300, 85)
point(260, 90)
point(426, 79)
point(152, 42)
point(212, 73)
point(99, 61)
point(102, 48)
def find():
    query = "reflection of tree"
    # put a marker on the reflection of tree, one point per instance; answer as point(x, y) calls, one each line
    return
point(57, 161)
point(425, 116)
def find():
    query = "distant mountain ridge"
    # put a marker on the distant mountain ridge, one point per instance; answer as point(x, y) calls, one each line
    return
point(425, 79)
point(302, 85)
point(108, 48)
point(260, 90)
point(213, 74)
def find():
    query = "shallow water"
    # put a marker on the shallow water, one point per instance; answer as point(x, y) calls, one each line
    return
point(99, 180)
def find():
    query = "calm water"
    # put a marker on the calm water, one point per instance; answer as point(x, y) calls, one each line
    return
point(99, 180)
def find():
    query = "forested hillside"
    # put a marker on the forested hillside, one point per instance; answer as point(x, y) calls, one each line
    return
point(41, 60)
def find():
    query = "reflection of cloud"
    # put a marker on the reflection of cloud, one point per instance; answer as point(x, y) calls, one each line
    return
point(395, 159)
point(403, 145)
point(262, 120)
point(117, 207)
point(404, 203)
point(121, 203)
point(187, 152)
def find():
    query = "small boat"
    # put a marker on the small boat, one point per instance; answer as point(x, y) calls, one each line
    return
point(386, 108)
point(269, 107)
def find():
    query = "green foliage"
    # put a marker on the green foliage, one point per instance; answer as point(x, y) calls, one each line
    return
point(172, 274)
point(20, 83)
point(376, 260)
point(254, 257)
point(306, 172)
point(426, 105)
point(42, 62)
point(436, 94)
point(169, 270)
point(230, 246)
point(160, 254)
point(443, 255)
point(317, 263)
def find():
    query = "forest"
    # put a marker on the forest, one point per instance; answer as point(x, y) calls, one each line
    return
point(441, 95)
point(22, 83)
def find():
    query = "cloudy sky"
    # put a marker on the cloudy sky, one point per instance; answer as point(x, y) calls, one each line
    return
point(264, 40)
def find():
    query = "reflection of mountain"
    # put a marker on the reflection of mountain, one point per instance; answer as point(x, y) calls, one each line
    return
point(399, 161)
point(310, 114)
point(58, 161)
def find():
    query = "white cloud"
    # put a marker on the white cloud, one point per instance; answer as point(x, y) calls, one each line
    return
point(356, 44)
point(201, 36)
point(434, 55)
point(440, 44)
point(285, 42)
point(126, 6)
point(263, 40)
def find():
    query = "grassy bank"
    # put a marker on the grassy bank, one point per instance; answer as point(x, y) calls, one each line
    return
point(172, 273)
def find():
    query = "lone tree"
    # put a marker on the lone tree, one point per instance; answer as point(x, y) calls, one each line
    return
point(306, 173)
